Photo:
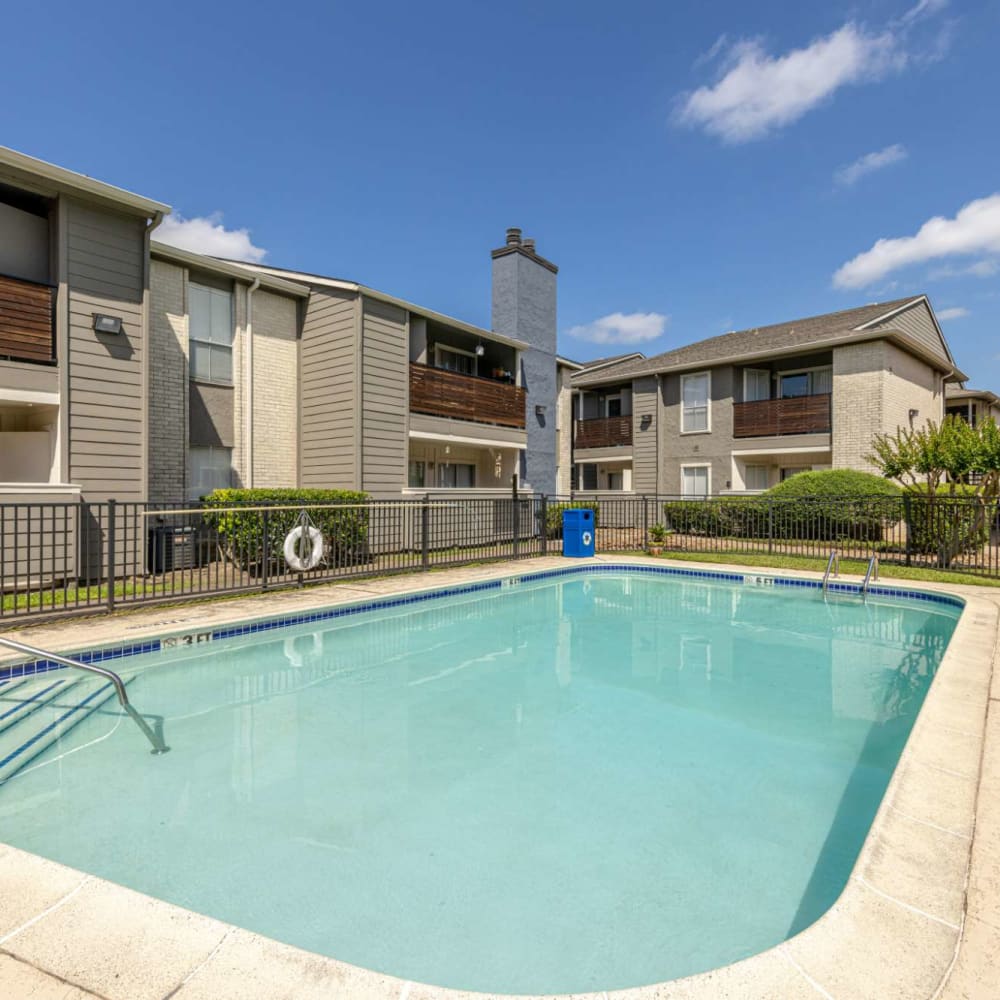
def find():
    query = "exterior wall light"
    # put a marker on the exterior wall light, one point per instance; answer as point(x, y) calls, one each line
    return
point(108, 324)
point(480, 350)
point(540, 410)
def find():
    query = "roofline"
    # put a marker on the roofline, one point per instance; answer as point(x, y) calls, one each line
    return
point(955, 374)
point(374, 293)
point(568, 364)
point(68, 180)
point(164, 251)
point(909, 305)
point(990, 397)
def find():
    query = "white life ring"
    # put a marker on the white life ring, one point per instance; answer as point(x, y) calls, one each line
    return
point(586, 538)
point(292, 557)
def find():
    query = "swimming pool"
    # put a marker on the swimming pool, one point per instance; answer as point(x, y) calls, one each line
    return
point(587, 781)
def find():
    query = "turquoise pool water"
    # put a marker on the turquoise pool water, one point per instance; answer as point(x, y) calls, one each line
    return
point(580, 783)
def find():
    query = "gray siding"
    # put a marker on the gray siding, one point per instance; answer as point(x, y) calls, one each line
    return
point(916, 323)
point(384, 397)
point(106, 406)
point(644, 405)
point(329, 405)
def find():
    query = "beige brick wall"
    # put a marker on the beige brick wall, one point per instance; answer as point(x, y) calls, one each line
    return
point(168, 383)
point(564, 431)
point(875, 385)
point(240, 470)
point(276, 390)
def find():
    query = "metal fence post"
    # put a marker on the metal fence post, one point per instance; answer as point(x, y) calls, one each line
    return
point(770, 525)
point(908, 521)
point(265, 548)
point(110, 569)
point(425, 540)
point(645, 523)
point(544, 524)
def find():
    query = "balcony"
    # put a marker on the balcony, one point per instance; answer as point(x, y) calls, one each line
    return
point(27, 327)
point(442, 393)
point(603, 432)
point(775, 417)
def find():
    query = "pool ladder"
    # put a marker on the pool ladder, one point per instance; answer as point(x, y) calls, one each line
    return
point(872, 572)
point(154, 736)
point(832, 566)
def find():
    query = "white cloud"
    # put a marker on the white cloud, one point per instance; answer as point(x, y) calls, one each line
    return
point(207, 235)
point(622, 328)
point(756, 93)
point(975, 229)
point(956, 312)
point(869, 163)
point(984, 268)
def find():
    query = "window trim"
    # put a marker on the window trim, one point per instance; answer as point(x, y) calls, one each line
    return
point(211, 344)
point(708, 402)
point(767, 474)
point(438, 347)
point(708, 479)
point(439, 466)
point(757, 371)
point(779, 375)
point(196, 493)
point(607, 401)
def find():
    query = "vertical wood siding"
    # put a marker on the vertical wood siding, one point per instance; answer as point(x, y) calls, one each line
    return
point(329, 404)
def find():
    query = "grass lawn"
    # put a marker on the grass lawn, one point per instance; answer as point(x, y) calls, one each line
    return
point(858, 566)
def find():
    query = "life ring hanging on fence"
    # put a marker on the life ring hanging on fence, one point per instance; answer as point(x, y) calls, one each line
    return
point(586, 538)
point(296, 561)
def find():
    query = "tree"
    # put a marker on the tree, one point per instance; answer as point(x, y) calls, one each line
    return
point(951, 472)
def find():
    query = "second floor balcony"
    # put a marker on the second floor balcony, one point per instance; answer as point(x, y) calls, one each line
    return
point(603, 432)
point(442, 393)
point(775, 417)
point(27, 321)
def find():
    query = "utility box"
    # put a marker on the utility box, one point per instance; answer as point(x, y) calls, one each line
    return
point(578, 532)
point(169, 548)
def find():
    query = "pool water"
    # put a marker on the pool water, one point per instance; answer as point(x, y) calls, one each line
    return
point(581, 783)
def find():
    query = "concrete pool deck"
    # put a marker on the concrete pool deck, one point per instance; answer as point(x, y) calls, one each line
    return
point(919, 918)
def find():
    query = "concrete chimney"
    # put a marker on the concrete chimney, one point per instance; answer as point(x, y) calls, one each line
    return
point(524, 307)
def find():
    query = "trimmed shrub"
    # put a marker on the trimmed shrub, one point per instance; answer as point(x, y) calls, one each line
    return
point(723, 516)
point(554, 513)
point(241, 532)
point(948, 524)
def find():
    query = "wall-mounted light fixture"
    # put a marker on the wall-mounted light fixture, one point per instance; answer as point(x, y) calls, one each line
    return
point(645, 420)
point(540, 409)
point(108, 324)
point(913, 416)
point(480, 350)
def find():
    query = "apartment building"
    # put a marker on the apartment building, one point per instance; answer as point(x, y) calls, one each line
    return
point(742, 411)
point(134, 370)
point(971, 405)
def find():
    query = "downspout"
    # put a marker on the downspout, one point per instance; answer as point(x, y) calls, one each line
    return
point(248, 389)
point(147, 323)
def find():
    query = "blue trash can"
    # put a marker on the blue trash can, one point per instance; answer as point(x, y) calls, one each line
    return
point(578, 532)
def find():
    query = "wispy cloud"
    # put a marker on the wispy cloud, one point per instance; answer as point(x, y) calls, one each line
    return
point(975, 229)
point(207, 235)
point(757, 93)
point(622, 328)
point(955, 312)
point(984, 268)
point(869, 163)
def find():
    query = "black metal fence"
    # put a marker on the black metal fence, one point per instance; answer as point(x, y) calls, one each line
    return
point(59, 558)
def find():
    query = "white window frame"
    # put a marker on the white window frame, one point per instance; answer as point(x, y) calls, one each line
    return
point(747, 466)
point(778, 376)
point(607, 403)
point(212, 345)
point(195, 492)
point(438, 348)
point(708, 479)
point(756, 371)
point(707, 429)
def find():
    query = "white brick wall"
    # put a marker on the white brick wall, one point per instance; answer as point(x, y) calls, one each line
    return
point(168, 382)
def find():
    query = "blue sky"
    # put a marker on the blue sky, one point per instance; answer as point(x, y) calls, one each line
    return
point(691, 168)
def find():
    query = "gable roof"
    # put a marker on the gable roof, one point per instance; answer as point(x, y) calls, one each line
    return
point(870, 322)
point(953, 391)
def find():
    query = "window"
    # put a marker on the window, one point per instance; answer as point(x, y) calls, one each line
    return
point(209, 469)
point(613, 406)
point(417, 477)
point(588, 477)
point(211, 333)
point(755, 477)
point(456, 475)
point(694, 402)
point(695, 480)
point(756, 385)
point(788, 473)
point(616, 481)
point(811, 383)
point(454, 360)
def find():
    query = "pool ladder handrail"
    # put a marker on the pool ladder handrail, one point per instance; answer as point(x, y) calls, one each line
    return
point(156, 739)
point(872, 569)
point(832, 566)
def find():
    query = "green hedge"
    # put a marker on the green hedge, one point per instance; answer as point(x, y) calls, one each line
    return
point(345, 531)
point(554, 513)
point(948, 524)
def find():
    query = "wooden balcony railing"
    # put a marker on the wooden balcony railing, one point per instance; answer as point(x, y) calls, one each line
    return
point(602, 432)
point(773, 417)
point(442, 393)
point(27, 320)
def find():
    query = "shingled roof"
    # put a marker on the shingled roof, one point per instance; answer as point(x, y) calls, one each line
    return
point(808, 333)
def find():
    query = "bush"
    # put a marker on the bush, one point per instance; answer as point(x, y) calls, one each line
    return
point(724, 516)
point(554, 513)
point(345, 530)
point(835, 504)
point(948, 524)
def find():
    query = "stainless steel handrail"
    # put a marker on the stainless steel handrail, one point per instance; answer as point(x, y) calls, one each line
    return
point(872, 568)
point(156, 739)
point(832, 565)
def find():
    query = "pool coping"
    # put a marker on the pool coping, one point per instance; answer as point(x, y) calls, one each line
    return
point(894, 931)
